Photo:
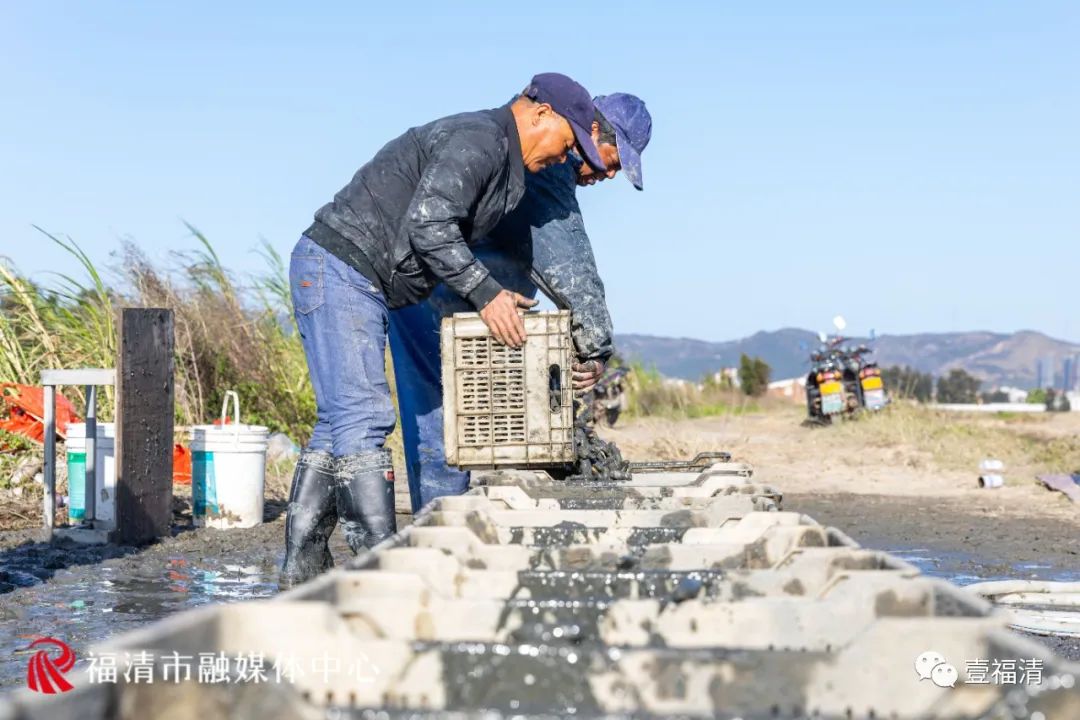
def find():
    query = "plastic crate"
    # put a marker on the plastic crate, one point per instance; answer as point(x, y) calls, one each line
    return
point(507, 406)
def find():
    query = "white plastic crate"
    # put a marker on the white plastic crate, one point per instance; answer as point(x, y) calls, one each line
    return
point(507, 406)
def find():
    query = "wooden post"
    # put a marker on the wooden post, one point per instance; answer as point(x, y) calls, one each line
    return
point(49, 514)
point(144, 425)
point(90, 488)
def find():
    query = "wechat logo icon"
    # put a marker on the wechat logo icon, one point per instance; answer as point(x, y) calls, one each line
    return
point(932, 666)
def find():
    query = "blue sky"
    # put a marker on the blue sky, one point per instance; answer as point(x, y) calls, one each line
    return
point(914, 166)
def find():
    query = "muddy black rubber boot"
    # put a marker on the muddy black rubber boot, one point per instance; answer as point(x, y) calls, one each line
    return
point(312, 515)
point(365, 498)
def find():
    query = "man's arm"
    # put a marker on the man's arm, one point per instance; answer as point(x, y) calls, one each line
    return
point(564, 268)
point(450, 186)
point(546, 230)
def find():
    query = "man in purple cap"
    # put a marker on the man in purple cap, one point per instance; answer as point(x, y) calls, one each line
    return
point(403, 225)
point(542, 244)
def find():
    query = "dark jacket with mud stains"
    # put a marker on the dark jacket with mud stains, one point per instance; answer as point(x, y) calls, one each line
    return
point(408, 216)
point(546, 232)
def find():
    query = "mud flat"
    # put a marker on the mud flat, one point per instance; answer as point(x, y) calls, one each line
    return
point(959, 540)
point(84, 594)
point(695, 597)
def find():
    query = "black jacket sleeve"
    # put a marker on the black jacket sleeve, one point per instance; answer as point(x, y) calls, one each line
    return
point(449, 187)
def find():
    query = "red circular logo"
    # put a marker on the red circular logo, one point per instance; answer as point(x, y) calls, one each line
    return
point(45, 672)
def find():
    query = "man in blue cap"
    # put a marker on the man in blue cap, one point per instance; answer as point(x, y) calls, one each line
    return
point(406, 223)
point(542, 244)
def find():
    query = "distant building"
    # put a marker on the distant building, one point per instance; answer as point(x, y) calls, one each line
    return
point(1016, 395)
point(727, 375)
point(1074, 401)
point(1067, 374)
point(793, 389)
point(1044, 373)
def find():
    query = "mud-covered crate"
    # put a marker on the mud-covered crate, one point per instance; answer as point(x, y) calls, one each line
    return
point(508, 406)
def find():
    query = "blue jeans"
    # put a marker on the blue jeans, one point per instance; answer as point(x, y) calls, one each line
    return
point(414, 347)
point(342, 319)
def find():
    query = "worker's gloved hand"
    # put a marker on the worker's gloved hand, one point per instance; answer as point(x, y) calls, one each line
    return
point(503, 319)
point(586, 374)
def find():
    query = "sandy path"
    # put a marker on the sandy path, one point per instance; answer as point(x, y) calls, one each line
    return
point(821, 460)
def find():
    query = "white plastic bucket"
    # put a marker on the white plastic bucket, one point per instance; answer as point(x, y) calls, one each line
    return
point(104, 471)
point(228, 471)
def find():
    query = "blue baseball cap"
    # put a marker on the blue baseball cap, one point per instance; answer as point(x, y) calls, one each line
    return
point(573, 102)
point(633, 128)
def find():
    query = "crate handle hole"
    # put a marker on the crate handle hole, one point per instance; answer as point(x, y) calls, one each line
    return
point(555, 387)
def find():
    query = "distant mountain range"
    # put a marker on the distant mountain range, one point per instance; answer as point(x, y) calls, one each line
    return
point(995, 358)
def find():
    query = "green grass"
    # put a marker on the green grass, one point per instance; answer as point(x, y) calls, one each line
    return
point(707, 409)
point(960, 441)
point(227, 338)
point(651, 395)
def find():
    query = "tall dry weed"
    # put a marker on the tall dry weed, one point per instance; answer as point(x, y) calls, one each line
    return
point(71, 323)
point(229, 336)
point(960, 441)
point(231, 333)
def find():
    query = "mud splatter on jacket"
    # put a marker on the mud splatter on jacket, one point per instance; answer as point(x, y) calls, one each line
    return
point(408, 216)
point(547, 234)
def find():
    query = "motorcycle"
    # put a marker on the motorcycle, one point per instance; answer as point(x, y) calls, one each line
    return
point(827, 394)
point(852, 365)
point(842, 380)
point(871, 385)
point(609, 396)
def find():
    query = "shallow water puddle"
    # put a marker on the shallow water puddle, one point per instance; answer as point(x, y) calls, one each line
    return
point(966, 568)
point(85, 605)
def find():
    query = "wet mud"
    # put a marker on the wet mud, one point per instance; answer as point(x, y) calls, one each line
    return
point(85, 594)
point(956, 540)
point(536, 678)
point(598, 459)
point(522, 678)
point(572, 533)
point(669, 586)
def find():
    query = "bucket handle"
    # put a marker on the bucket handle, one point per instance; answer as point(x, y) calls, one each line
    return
point(236, 413)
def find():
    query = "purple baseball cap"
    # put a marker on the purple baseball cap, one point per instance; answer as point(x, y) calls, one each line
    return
point(633, 128)
point(573, 102)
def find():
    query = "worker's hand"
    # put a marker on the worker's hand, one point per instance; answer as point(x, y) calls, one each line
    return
point(586, 374)
point(503, 319)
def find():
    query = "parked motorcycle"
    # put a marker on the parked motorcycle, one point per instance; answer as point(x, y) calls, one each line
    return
point(871, 385)
point(609, 397)
point(827, 394)
point(842, 380)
